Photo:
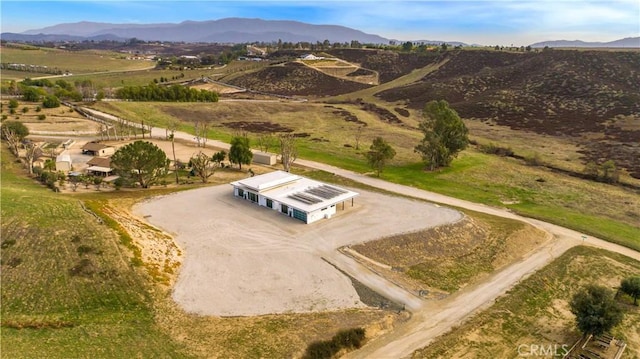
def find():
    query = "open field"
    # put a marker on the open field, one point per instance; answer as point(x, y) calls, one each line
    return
point(536, 311)
point(73, 62)
point(60, 119)
point(498, 181)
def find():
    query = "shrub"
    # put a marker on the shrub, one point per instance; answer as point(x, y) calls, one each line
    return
point(85, 249)
point(84, 268)
point(7, 243)
point(350, 338)
point(14, 262)
point(320, 350)
point(533, 160)
point(344, 339)
point(42, 117)
point(51, 102)
point(494, 149)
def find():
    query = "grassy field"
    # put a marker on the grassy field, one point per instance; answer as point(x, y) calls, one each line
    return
point(449, 257)
point(68, 290)
point(497, 181)
point(536, 311)
point(74, 62)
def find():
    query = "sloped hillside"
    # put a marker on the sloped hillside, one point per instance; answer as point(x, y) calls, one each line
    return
point(389, 64)
point(295, 79)
point(559, 93)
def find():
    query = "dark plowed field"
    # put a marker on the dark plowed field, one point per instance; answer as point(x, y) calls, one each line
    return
point(558, 93)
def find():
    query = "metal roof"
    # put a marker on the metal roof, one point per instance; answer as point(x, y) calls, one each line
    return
point(296, 191)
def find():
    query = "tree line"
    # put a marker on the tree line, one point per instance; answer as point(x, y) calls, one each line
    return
point(173, 93)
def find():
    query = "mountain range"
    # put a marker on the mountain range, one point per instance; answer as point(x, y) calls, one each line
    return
point(229, 30)
point(240, 30)
point(633, 42)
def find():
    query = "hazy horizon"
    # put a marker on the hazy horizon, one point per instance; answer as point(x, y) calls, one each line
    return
point(501, 22)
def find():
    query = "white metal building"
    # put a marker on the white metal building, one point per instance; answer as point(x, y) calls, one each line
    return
point(295, 196)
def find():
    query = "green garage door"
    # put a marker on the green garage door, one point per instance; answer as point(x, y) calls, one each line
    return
point(300, 215)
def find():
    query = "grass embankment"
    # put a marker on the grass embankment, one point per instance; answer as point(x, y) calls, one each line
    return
point(474, 176)
point(536, 311)
point(452, 256)
point(534, 192)
point(68, 291)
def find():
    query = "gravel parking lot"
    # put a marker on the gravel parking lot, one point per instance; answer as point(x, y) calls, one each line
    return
point(241, 259)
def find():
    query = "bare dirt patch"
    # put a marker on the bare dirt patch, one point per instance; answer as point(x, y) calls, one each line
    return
point(258, 126)
point(241, 259)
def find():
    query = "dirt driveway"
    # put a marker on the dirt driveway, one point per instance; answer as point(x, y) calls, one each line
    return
point(241, 259)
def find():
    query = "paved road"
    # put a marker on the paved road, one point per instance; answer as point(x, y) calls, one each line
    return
point(433, 318)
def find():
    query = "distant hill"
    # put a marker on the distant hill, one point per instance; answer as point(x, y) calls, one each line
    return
point(632, 42)
point(10, 36)
point(229, 30)
point(564, 93)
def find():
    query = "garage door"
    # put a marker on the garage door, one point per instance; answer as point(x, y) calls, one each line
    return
point(300, 215)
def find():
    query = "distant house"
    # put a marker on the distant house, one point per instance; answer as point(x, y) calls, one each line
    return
point(63, 163)
point(100, 166)
point(97, 149)
point(310, 57)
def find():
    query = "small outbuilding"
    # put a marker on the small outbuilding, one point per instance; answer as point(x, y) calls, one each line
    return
point(292, 195)
point(97, 149)
point(264, 158)
point(63, 163)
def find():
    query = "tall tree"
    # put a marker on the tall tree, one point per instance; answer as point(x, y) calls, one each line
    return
point(379, 153)
point(240, 152)
point(13, 132)
point(171, 131)
point(31, 153)
point(140, 161)
point(203, 166)
point(595, 309)
point(631, 287)
point(288, 150)
point(445, 135)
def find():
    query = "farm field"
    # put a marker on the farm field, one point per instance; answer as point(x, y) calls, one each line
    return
point(73, 62)
point(536, 311)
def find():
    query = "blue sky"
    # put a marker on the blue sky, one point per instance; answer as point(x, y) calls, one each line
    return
point(503, 22)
